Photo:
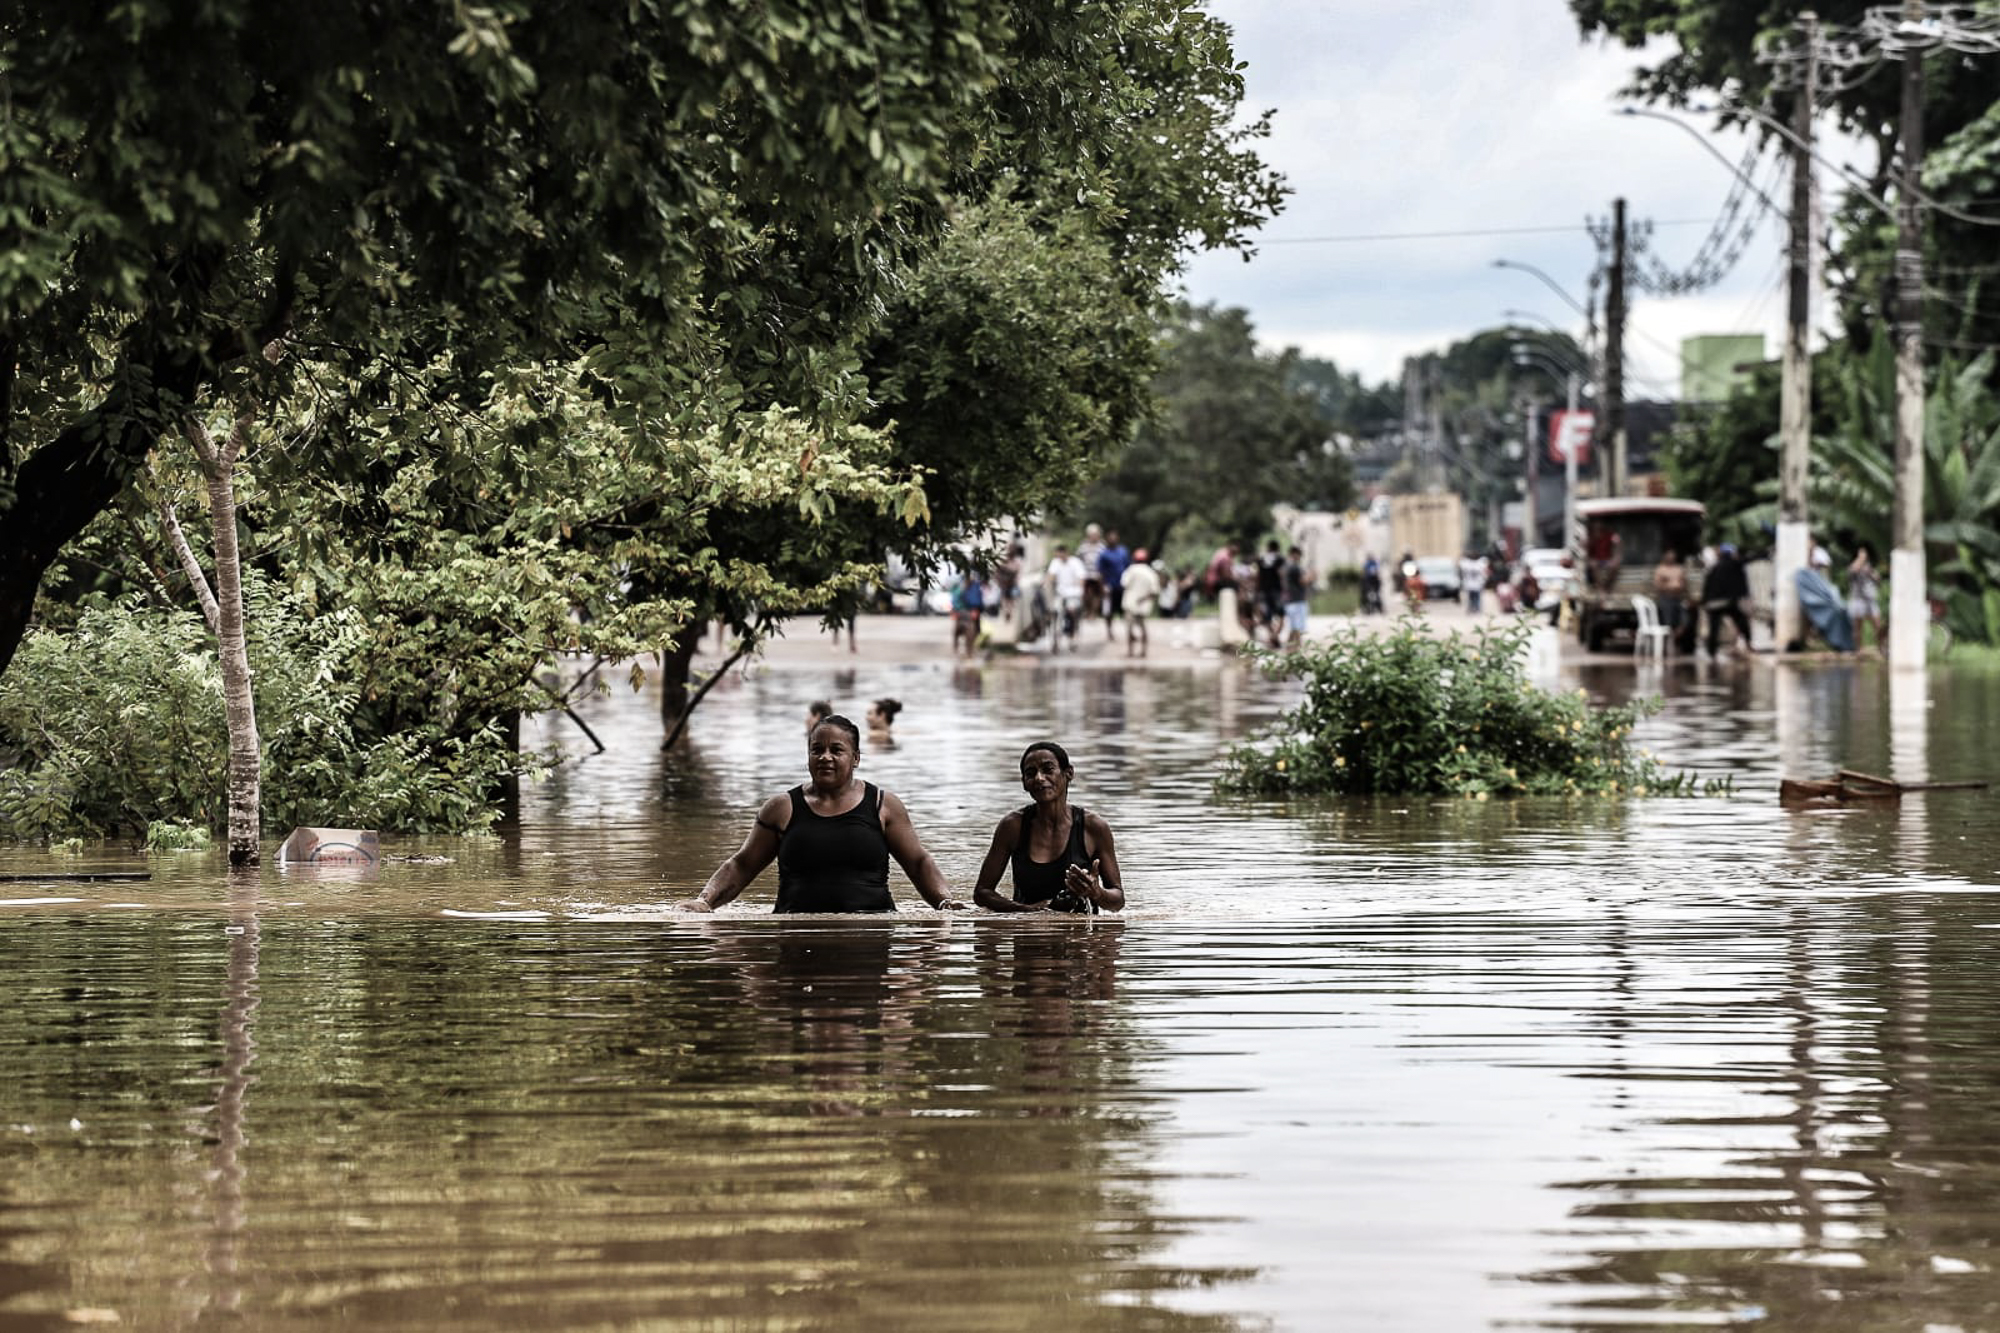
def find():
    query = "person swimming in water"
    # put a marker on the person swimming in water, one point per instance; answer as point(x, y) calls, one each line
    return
point(882, 716)
point(832, 838)
point(1062, 856)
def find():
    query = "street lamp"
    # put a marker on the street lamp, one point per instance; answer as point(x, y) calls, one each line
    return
point(1606, 475)
point(1794, 542)
point(1712, 150)
point(1560, 362)
point(1543, 320)
point(1553, 286)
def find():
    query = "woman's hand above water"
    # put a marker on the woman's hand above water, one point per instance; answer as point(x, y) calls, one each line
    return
point(759, 849)
point(1105, 882)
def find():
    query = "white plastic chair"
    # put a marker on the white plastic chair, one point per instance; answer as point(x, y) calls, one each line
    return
point(1651, 636)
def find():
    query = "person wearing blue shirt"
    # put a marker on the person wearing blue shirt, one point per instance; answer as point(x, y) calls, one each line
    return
point(1111, 565)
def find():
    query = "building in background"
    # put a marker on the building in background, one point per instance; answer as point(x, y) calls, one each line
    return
point(1714, 363)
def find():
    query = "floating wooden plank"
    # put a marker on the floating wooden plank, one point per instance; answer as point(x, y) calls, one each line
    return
point(1800, 791)
point(91, 877)
point(1970, 784)
point(1848, 786)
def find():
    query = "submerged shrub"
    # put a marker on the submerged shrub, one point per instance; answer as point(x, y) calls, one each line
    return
point(114, 725)
point(1410, 713)
point(165, 835)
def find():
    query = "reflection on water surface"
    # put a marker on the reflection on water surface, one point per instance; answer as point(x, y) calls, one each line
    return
point(1374, 1065)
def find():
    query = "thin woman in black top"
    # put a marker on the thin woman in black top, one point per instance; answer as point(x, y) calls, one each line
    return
point(832, 838)
point(1062, 855)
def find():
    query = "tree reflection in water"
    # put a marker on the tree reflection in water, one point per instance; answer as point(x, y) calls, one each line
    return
point(239, 1049)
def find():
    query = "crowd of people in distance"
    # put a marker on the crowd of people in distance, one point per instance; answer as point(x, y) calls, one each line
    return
point(1852, 615)
point(1100, 580)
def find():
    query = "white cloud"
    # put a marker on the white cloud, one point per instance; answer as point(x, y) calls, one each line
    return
point(1400, 116)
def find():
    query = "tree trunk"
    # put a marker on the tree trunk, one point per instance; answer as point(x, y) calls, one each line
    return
point(675, 671)
point(67, 482)
point(57, 491)
point(218, 467)
point(191, 567)
point(508, 794)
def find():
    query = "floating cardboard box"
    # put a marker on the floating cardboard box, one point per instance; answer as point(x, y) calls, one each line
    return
point(331, 847)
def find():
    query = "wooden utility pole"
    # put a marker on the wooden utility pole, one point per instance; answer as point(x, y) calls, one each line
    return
point(1795, 396)
point(1909, 595)
point(1613, 464)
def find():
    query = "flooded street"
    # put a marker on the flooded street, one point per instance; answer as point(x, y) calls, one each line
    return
point(1389, 1064)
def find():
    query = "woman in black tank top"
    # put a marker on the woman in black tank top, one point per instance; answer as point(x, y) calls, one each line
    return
point(832, 838)
point(1062, 855)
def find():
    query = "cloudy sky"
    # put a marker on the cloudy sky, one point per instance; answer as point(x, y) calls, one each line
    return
point(1425, 116)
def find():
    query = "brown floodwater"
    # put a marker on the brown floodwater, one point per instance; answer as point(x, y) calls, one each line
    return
point(1377, 1065)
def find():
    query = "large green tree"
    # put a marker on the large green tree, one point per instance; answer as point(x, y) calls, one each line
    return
point(705, 202)
point(1233, 434)
point(599, 320)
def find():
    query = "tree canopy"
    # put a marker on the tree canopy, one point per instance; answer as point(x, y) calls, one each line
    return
point(702, 203)
point(1234, 433)
point(599, 319)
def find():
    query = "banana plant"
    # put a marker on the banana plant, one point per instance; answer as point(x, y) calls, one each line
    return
point(1853, 482)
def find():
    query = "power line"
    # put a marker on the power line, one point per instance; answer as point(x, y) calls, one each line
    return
point(1450, 235)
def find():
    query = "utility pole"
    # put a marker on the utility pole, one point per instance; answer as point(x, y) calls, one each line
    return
point(1795, 395)
point(1903, 32)
point(1531, 525)
point(1411, 417)
point(1909, 588)
point(1572, 387)
point(1434, 424)
point(1612, 465)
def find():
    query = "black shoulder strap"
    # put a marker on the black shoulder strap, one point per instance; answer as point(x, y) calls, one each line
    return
point(1027, 813)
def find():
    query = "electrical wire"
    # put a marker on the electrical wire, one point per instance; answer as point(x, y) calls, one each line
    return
point(1730, 234)
point(1452, 235)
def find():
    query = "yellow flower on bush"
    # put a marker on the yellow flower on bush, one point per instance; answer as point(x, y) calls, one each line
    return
point(1340, 761)
point(1281, 765)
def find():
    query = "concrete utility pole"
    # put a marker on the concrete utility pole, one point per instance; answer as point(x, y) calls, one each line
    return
point(1795, 396)
point(1909, 586)
point(1613, 461)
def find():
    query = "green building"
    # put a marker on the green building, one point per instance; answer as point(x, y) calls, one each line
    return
point(1714, 363)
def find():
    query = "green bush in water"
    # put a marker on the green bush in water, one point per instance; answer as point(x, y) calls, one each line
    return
point(114, 725)
point(1412, 713)
point(165, 835)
